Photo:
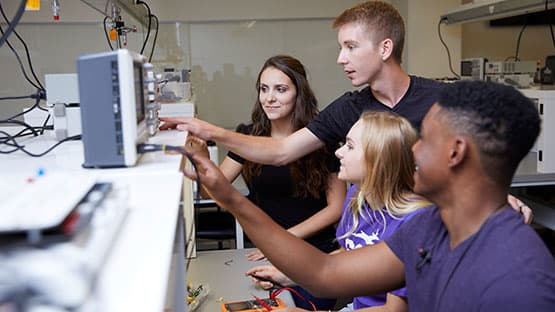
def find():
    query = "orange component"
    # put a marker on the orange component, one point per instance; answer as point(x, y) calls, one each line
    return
point(32, 5)
point(113, 34)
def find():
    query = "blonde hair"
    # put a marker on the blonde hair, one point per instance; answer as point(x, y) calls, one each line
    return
point(387, 140)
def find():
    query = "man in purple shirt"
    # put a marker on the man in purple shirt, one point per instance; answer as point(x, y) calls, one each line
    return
point(470, 252)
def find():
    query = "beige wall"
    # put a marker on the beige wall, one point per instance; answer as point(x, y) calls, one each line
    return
point(196, 10)
point(224, 42)
point(224, 73)
point(426, 55)
point(498, 43)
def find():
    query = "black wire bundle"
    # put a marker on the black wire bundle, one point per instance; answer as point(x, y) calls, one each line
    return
point(10, 140)
point(11, 26)
point(38, 97)
point(150, 18)
point(38, 85)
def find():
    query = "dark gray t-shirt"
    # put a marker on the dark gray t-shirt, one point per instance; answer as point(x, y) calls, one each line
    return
point(505, 266)
point(334, 122)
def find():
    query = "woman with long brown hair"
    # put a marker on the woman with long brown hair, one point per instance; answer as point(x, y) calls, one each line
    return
point(305, 196)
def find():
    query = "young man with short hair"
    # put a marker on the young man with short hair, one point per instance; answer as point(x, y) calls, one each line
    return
point(371, 38)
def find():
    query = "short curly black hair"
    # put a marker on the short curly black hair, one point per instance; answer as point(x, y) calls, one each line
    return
point(503, 123)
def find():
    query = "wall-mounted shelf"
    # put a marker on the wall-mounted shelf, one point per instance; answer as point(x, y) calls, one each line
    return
point(488, 10)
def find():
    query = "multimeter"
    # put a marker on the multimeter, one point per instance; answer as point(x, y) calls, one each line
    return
point(252, 305)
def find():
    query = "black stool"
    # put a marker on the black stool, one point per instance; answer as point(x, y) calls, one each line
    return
point(214, 224)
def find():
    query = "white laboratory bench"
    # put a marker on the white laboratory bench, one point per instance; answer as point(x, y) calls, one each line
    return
point(144, 269)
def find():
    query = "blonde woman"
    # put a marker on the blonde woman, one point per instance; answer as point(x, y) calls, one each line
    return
point(377, 160)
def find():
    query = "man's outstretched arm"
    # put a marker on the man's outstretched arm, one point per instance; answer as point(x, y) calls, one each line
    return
point(264, 150)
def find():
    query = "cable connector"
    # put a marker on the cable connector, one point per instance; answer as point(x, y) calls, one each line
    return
point(41, 95)
point(143, 148)
point(147, 148)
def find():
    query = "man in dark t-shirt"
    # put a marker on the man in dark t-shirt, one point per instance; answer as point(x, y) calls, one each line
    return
point(333, 123)
point(371, 38)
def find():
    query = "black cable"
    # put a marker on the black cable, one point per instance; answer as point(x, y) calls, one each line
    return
point(5, 141)
point(106, 33)
point(22, 133)
point(446, 49)
point(21, 66)
point(8, 138)
point(27, 53)
point(155, 37)
point(44, 124)
point(149, 24)
point(18, 147)
point(550, 24)
point(37, 101)
point(15, 97)
point(263, 279)
point(21, 123)
point(37, 96)
point(14, 22)
point(42, 108)
point(518, 40)
point(28, 131)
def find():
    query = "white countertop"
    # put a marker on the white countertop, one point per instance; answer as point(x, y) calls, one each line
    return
point(136, 271)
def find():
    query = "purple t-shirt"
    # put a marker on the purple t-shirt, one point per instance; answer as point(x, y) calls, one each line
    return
point(505, 266)
point(369, 231)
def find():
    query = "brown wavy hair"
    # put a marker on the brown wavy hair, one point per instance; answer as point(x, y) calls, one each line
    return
point(310, 173)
